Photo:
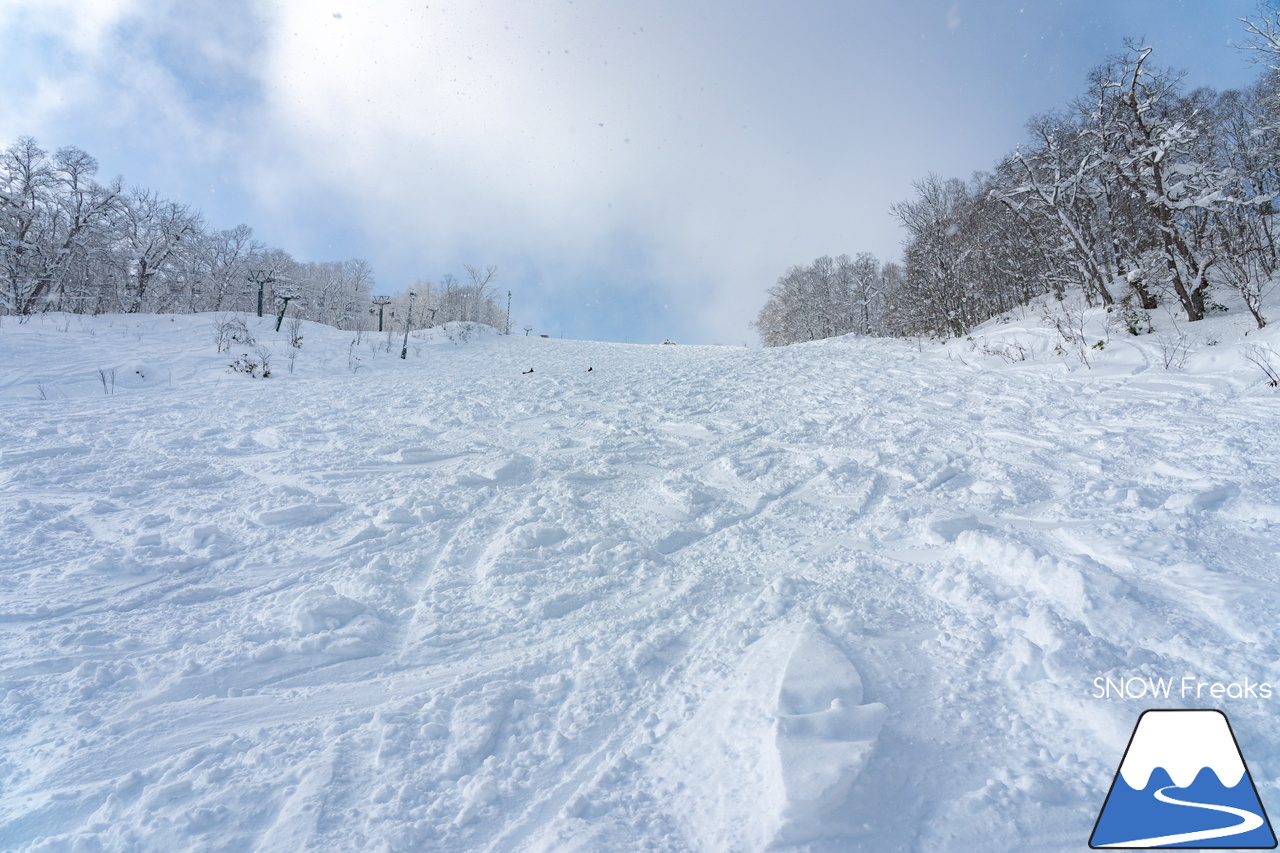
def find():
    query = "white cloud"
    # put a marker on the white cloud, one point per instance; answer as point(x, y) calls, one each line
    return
point(689, 153)
point(130, 71)
point(84, 25)
point(497, 112)
point(547, 129)
point(658, 153)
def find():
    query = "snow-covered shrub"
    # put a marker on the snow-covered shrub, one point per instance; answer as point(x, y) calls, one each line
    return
point(258, 365)
point(1136, 320)
point(1071, 320)
point(1174, 348)
point(1011, 351)
point(229, 330)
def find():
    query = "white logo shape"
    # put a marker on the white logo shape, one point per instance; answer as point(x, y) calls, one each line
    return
point(1183, 783)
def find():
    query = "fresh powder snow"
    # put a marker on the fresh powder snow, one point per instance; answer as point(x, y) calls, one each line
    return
point(857, 594)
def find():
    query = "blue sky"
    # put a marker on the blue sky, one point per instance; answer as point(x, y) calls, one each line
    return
point(636, 170)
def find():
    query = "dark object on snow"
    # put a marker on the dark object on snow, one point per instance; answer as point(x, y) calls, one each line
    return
point(526, 372)
point(588, 370)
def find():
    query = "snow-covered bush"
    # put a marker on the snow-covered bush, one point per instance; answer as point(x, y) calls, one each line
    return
point(258, 365)
point(230, 330)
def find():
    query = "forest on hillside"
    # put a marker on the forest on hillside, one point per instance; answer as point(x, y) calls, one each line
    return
point(71, 242)
point(1138, 193)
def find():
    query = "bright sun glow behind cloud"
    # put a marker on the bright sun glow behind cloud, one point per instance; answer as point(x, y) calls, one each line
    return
point(538, 123)
point(500, 105)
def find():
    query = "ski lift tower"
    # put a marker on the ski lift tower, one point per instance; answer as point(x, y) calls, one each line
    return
point(382, 302)
point(261, 278)
point(408, 323)
point(284, 296)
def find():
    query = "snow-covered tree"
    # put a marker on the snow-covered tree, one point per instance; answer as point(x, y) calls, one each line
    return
point(831, 296)
point(54, 220)
point(1156, 147)
point(154, 232)
point(70, 243)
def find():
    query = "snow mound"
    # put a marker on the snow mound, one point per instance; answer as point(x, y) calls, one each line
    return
point(771, 757)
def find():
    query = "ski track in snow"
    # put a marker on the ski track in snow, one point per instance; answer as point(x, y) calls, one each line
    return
point(437, 604)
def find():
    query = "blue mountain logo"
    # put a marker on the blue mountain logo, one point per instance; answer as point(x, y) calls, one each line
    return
point(1183, 783)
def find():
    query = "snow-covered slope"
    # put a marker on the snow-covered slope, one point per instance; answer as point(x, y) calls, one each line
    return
point(851, 595)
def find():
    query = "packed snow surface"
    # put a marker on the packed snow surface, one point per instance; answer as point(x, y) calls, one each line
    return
point(850, 595)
